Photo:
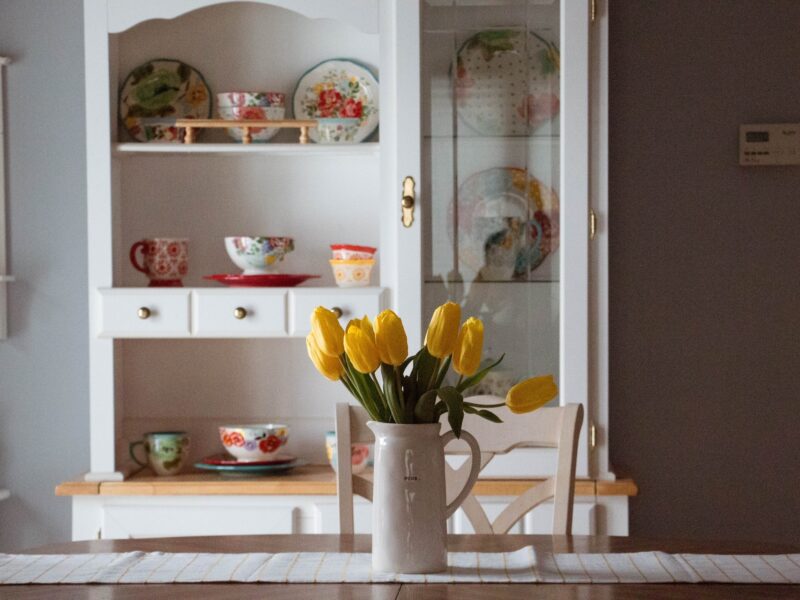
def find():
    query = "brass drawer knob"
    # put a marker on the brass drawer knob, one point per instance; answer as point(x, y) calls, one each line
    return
point(144, 313)
point(239, 312)
point(337, 311)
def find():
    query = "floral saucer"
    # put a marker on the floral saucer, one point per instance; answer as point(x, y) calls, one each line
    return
point(226, 460)
point(250, 468)
point(338, 89)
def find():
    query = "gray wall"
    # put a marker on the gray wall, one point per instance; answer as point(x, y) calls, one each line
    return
point(44, 364)
point(705, 326)
point(704, 319)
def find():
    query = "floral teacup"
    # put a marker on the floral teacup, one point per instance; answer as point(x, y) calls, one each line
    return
point(167, 451)
point(360, 453)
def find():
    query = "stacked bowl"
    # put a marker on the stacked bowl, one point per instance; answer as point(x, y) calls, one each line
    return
point(352, 265)
point(239, 106)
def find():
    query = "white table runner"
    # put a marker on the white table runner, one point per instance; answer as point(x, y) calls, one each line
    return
point(522, 566)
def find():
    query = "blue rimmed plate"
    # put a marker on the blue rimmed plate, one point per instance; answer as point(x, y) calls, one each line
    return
point(245, 469)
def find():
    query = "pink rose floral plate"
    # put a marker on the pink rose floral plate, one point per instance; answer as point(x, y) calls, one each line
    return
point(507, 82)
point(338, 89)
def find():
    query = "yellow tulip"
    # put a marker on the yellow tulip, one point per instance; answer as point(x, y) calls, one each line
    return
point(327, 331)
point(531, 394)
point(443, 330)
point(390, 337)
point(360, 349)
point(469, 345)
point(365, 325)
point(330, 366)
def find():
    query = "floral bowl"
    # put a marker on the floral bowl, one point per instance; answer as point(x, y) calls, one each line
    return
point(352, 252)
point(251, 99)
point(258, 255)
point(337, 130)
point(352, 273)
point(252, 443)
point(359, 455)
point(252, 113)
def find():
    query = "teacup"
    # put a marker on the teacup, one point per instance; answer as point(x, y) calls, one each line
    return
point(254, 443)
point(167, 451)
point(165, 261)
point(359, 453)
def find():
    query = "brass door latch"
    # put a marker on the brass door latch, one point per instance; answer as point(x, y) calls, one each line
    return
point(407, 203)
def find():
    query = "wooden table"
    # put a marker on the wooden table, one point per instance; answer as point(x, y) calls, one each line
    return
point(361, 543)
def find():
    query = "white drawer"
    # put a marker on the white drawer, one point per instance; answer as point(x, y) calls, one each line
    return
point(352, 302)
point(239, 313)
point(144, 313)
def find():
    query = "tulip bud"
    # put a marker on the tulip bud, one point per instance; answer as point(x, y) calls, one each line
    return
point(327, 331)
point(390, 338)
point(360, 349)
point(330, 366)
point(531, 394)
point(365, 325)
point(469, 346)
point(443, 330)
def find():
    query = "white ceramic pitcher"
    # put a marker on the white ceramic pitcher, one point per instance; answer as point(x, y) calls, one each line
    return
point(409, 510)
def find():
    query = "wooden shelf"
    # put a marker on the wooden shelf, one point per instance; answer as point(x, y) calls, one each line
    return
point(313, 480)
point(124, 150)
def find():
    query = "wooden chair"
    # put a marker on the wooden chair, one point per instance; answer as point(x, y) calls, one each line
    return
point(550, 427)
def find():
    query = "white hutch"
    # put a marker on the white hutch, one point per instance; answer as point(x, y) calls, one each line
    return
point(192, 365)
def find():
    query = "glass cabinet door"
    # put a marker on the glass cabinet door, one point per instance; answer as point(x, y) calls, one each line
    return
point(504, 120)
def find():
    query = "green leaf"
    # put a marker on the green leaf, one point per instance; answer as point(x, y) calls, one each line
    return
point(486, 414)
point(478, 377)
point(455, 407)
point(443, 372)
point(439, 410)
point(424, 410)
point(426, 368)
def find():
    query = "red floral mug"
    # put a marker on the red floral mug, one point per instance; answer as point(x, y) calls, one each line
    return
point(164, 260)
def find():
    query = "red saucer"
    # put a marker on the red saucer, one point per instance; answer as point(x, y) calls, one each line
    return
point(265, 280)
point(227, 460)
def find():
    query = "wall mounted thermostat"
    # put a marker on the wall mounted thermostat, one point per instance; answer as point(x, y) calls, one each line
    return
point(769, 144)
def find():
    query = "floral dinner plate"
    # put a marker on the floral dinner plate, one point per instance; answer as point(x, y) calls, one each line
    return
point(226, 460)
point(507, 223)
point(507, 82)
point(156, 93)
point(338, 89)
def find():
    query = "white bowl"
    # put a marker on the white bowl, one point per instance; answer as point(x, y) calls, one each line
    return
point(253, 443)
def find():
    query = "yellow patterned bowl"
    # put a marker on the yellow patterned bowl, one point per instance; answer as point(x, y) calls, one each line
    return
point(352, 273)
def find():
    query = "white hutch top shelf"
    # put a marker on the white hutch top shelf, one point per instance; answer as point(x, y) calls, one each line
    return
point(136, 149)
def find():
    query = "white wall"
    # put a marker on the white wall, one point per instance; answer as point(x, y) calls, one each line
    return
point(44, 363)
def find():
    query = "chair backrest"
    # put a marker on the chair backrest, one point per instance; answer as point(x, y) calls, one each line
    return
point(551, 427)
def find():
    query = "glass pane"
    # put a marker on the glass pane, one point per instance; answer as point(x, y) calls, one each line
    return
point(491, 153)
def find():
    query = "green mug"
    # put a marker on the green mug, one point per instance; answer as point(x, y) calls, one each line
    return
point(167, 451)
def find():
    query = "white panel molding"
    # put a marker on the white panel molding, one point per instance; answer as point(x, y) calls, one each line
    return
point(361, 14)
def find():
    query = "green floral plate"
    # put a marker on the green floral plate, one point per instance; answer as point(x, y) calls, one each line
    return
point(157, 93)
point(336, 90)
point(256, 469)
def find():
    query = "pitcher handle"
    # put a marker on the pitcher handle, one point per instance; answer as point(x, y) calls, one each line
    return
point(475, 468)
point(132, 256)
